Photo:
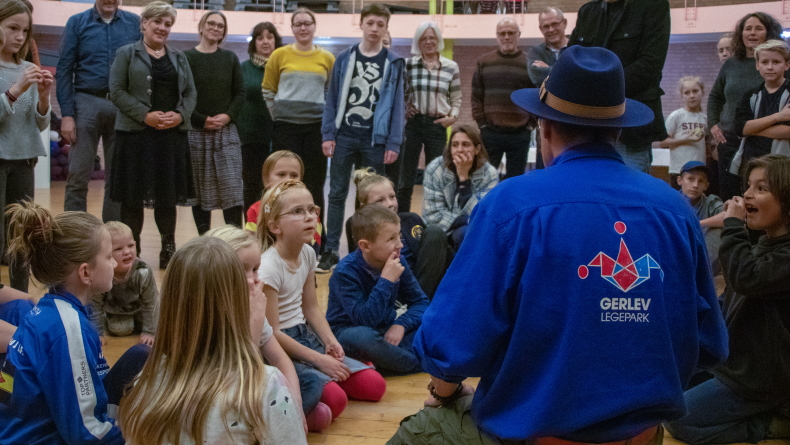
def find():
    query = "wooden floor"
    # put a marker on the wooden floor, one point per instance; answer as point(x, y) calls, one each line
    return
point(362, 423)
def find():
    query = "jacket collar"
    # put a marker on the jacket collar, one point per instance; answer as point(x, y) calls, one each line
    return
point(97, 17)
point(63, 294)
point(588, 150)
point(139, 48)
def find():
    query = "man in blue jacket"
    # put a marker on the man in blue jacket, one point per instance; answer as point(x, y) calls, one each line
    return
point(585, 305)
point(363, 118)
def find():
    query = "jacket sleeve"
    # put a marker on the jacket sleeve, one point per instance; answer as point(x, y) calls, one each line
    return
point(119, 86)
point(763, 276)
point(455, 92)
point(716, 98)
point(64, 75)
point(271, 79)
point(652, 52)
point(189, 95)
point(328, 128)
point(75, 392)
point(743, 113)
point(411, 294)
point(434, 208)
point(536, 74)
point(711, 330)
point(239, 94)
point(364, 310)
point(478, 94)
point(481, 186)
point(149, 296)
point(398, 114)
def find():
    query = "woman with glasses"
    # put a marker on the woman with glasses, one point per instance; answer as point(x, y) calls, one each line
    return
point(294, 83)
point(213, 140)
point(433, 85)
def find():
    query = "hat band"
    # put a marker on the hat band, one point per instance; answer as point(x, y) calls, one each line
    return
point(577, 110)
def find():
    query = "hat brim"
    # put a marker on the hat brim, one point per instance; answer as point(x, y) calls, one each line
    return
point(636, 113)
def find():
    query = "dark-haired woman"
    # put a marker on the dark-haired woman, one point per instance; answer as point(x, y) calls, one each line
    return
point(455, 182)
point(738, 75)
point(255, 122)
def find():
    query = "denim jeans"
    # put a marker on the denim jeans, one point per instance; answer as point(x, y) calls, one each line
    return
point(420, 130)
point(637, 156)
point(515, 144)
point(94, 119)
point(369, 344)
point(349, 153)
point(716, 414)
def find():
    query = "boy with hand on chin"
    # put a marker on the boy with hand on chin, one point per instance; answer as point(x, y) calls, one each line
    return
point(362, 294)
point(693, 182)
point(131, 306)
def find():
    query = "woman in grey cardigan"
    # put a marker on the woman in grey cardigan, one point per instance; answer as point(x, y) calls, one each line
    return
point(152, 86)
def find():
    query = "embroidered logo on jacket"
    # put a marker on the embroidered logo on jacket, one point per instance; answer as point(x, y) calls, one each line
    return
point(623, 272)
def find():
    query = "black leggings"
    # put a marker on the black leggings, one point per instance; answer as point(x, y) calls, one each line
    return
point(165, 218)
point(203, 217)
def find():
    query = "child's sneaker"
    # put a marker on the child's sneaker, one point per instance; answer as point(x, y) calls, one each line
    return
point(328, 261)
point(320, 418)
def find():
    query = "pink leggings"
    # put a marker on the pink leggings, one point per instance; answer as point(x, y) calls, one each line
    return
point(366, 385)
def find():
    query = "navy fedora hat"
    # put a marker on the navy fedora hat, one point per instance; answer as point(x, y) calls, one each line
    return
point(586, 87)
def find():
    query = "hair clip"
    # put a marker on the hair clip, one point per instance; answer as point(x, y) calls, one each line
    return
point(267, 208)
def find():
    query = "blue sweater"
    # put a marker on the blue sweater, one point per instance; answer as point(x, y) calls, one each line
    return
point(389, 116)
point(55, 367)
point(585, 305)
point(358, 296)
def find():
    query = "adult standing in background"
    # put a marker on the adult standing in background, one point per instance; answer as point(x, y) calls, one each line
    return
point(505, 128)
point(637, 31)
point(255, 122)
point(214, 144)
point(294, 86)
point(737, 76)
point(541, 58)
point(87, 52)
point(433, 83)
point(152, 86)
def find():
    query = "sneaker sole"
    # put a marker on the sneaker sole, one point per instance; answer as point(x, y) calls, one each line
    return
point(319, 270)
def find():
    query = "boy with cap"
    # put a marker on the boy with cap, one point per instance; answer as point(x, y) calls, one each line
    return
point(693, 182)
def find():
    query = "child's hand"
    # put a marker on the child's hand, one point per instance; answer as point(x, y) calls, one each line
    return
point(103, 340)
point(46, 83)
point(146, 339)
point(392, 268)
point(394, 334)
point(335, 350)
point(330, 366)
point(735, 208)
point(31, 75)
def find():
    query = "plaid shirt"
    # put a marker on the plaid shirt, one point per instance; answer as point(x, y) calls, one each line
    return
point(433, 92)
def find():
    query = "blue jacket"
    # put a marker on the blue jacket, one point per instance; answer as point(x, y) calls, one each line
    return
point(55, 367)
point(88, 51)
point(389, 117)
point(358, 296)
point(584, 306)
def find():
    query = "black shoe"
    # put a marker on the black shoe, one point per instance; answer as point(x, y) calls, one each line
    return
point(168, 249)
point(327, 262)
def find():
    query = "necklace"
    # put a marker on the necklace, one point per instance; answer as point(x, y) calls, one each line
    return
point(156, 51)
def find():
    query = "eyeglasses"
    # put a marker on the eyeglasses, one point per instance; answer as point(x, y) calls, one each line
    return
point(215, 25)
point(303, 212)
point(507, 33)
point(548, 26)
point(302, 24)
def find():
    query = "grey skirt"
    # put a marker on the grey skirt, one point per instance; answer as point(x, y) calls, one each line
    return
point(216, 168)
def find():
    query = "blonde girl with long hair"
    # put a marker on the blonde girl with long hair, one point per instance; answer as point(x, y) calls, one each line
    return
point(205, 382)
point(287, 222)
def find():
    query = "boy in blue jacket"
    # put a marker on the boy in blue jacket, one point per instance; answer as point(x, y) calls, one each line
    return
point(363, 117)
point(362, 294)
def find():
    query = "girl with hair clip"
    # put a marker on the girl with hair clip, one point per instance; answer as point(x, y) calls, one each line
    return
point(205, 382)
point(286, 224)
point(24, 114)
point(425, 247)
point(55, 374)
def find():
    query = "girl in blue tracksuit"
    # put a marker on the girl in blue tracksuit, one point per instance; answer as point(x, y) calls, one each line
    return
point(51, 389)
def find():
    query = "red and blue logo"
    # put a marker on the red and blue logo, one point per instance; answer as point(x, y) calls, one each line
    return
point(623, 272)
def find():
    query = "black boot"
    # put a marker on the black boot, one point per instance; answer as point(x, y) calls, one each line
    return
point(168, 249)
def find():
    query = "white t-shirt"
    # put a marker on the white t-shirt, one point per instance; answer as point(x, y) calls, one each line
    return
point(681, 124)
point(287, 282)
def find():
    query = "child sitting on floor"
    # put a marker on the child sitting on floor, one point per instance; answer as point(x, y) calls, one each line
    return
point(425, 248)
point(205, 382)
point(130, 307)
point(693, 181)
point(744, 401)
point(363, 290)
point(287, 223)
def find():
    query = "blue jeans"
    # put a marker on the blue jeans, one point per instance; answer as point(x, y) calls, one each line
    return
point(515, 143)
point(637, 156)
point(716, 414)
point(420, 130)
point(368, 344)
point(95, 119)
point(349, 153)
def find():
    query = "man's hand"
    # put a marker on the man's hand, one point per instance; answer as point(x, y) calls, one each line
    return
point(146, 339)
point(392, 268)
point(735, 208)
point(329, 149)
point(69, 129)
point(390, 156)
point(394, 334)
point(539, 64)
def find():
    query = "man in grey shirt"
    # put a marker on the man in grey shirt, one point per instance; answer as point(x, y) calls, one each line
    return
point(541, 58)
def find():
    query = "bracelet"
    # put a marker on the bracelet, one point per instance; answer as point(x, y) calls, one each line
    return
point(11, 97)
point(448, 399)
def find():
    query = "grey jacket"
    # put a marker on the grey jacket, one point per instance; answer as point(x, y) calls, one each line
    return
point(130, 86)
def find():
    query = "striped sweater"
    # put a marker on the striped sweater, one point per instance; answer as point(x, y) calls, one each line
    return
point(295, 83)
point(497, 75)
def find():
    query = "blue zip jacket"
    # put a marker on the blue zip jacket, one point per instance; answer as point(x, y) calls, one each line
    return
point(389, 117)
point(55, 368)
point(584, 305)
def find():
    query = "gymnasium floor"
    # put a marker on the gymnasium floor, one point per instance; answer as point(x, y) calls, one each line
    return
point(362, 423)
